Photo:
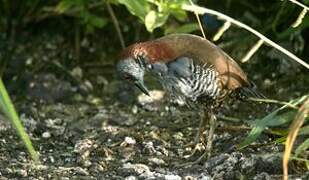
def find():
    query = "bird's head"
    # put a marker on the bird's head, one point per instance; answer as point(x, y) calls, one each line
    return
point(133, 70)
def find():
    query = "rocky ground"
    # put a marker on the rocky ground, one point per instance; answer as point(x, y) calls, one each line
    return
point(82, 134)
point(100, 138)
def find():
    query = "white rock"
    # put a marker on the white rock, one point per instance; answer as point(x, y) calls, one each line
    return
point(131, 178)
point(172, 177)
point(46, 135)
point(130, 140)
point(134, 109)
point(155, 95)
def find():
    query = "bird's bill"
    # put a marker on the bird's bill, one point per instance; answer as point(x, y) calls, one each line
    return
point(142, 87)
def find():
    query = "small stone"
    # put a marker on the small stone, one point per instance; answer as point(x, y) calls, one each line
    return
point(131, 178)
point(86, 163)
point(149, 146)
point(155, 95)
point(178, 136)
point(51, 159)
point(216, 160)
point(77, 72)
point(134, 109)
point(157, 161)
point(129, 140)
point(189, 178)
point(172, 177)
point(262, 176)
point(46, 135)
point(22, 172)
point(81, 171)
point(83, 146)
point(138, 168)
point(204, 177)
point(100, 167)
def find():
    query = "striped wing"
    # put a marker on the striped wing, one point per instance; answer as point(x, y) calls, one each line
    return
point(192, 80)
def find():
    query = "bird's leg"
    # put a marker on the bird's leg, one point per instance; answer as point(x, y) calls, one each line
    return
point(199, 140)
point(212, 127)
point(199, 136)
point(208, 148)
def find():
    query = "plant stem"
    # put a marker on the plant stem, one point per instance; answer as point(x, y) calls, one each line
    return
point(116, 24)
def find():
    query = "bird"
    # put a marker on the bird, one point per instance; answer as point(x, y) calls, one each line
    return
point(193, 71)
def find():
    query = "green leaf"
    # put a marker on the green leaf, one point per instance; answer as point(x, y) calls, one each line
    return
point(187, 28)
point(304, 130)
point(154, 19)
point(275, 119)
point(65, 5)
point(92, 21)
point(177, 11)
point(301, 148)
point(272, 119)
point(253, 135)
point(280, 140)
point(138, 8)
point(97, 21)
point(179, 14)
point(278, 117)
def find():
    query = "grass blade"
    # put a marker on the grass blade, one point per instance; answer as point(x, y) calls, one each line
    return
point(301, 148)
point(272, 119)
point(8, 108)
point(276, 118)
point(294, 128)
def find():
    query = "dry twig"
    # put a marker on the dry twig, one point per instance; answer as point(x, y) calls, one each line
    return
point(251, 52)
point(299, 4)
point(300, 18)
point(220, 32)
point(202, 10)
point(294, 128)
point(199, 22)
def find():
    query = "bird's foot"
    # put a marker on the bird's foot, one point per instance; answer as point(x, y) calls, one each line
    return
point(198, 140)
point(198, 147)
point(205, 155)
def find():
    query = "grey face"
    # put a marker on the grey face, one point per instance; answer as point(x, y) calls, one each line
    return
point(132, 71)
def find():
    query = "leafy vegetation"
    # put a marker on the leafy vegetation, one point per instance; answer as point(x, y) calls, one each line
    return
point(279, 117)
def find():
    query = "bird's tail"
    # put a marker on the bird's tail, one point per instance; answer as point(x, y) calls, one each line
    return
point(250, 91)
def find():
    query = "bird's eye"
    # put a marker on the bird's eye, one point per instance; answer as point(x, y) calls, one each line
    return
point(149, 66)
point(127, 76)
